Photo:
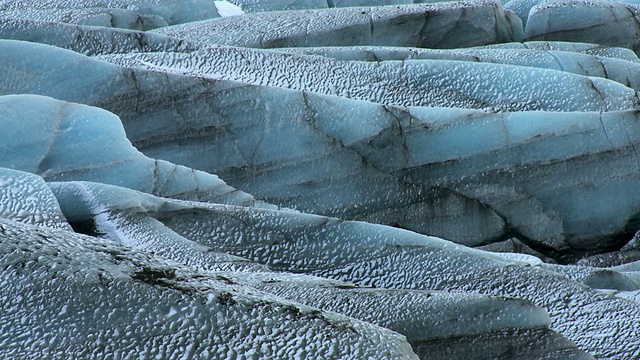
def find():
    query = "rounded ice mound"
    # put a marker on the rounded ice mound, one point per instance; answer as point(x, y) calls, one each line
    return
point(26, 198)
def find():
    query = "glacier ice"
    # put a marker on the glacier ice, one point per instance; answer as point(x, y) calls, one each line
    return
point(102, 17)
point(624, 71)
point(444, 25)
point(122, 215)
point(53, 129)
point(392, 170)
point(414, 83)
point(26, 198)
point(253, 6)
point(576, 47)
point(524, 150)
point(609, 23)
point(442, 83)
point(375, 255)
point(162, 12)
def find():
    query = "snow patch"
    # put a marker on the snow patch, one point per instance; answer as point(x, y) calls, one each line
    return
point(226, 8)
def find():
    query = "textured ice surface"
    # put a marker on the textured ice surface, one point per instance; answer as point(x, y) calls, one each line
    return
point(526, 147)
point(52, 130)
point(305, 243)
point(430, 319)
point(112, 212)
point(273, 5)
point(88, 40)
point(510, 179)
point(602, 22)
point(577, 47)
point(68, 295)
point(413, 83)
point(392, 258)
point(440, 25)
point(160, 11)
point(24, 197)
point(439, 82)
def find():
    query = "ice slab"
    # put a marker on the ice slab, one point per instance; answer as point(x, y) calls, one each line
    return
point(392, 170)
point(62, 141)
point(622, 71)
point(412, 83)
point(583, 48)
point(103, 17)
point(393, 258)
point(88, 40)
point(253, 6)
point(440, 25)
point(169, 11)
point(430, 319)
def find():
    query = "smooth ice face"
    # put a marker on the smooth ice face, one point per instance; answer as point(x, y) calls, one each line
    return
point(601, 22)
point(441, 25)
point(226, 8)
point(134, 304)
point(24, 197)
point(624, 71)
point(51, 130)
point(160, 11)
